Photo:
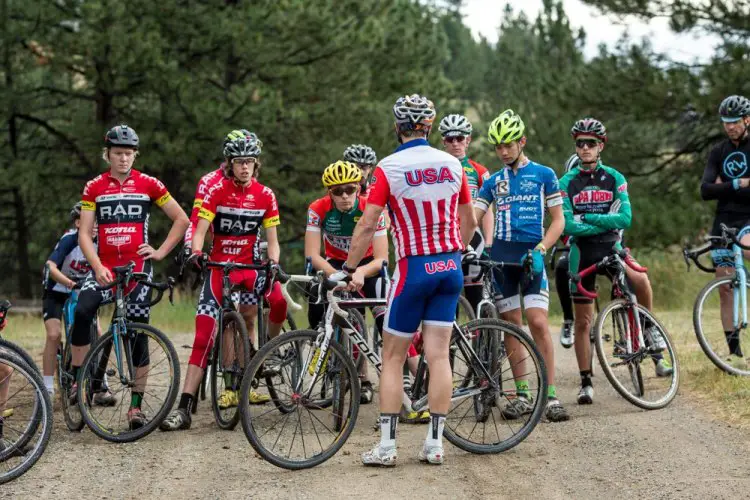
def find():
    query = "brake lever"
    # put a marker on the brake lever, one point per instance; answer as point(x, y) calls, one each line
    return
point(687, 259)
point(171, 282)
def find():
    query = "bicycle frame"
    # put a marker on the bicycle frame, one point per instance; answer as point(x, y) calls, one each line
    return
point(337, 307)
point(634, 339)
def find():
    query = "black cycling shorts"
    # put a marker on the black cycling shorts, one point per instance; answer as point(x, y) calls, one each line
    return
point(52, 304)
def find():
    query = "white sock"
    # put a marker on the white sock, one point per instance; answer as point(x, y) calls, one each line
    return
point(435, 430)
point(49, 383)
point(388, 423)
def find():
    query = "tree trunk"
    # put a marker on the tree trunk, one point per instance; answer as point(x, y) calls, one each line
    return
point(22, 253)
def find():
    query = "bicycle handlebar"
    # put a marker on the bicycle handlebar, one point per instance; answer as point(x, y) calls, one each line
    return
point(623, 254)
point(285, 279)
point(694, 253)
point(126, 273)
point(732, 234)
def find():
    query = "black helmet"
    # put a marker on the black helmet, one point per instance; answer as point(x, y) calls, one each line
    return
point(242, 146)
point(734, 108)
point(75, 212)
point(589, 126)
point(121, 136)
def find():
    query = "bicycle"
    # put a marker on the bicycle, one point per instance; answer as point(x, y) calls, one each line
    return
point(25, 413)
point(304, 359)
point(714, 328)
point(126, 338)
point(626, 343)
point(65, 376)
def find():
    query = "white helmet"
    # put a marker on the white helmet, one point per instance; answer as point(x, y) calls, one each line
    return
point(455, 125)
point(414, 111)
point(572, 163)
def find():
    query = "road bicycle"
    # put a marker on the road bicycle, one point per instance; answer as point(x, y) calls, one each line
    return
point(25, 412)
point(144, 363)
point(302, 430)
point(720, 310)
point(65, 374)
point(626, 334)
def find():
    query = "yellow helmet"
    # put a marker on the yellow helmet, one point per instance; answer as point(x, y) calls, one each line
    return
point(341, 172)
point(506, 128)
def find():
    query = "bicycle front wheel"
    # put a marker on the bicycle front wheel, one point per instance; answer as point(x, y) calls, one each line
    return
point(151, 385)
point(644, 375)
point(715, 329)
point(304, 434)
point(500, 393)
point(231, 356)
point(25, 414)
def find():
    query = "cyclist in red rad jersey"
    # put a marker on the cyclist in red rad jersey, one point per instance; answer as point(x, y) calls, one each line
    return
point(247, 300)
point(366, 159)
point(237, 207)
point(119, 202)
point(334, 217)
point(456, 131)
point(427, 193)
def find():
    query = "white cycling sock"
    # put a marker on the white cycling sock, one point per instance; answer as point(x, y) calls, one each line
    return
point(388, 423)
point(435, 430)
point(49, 383)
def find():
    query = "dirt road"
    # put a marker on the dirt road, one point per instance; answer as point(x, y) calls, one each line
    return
point(608, 450)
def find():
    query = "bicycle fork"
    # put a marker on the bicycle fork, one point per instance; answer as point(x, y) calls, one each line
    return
point(740, 292)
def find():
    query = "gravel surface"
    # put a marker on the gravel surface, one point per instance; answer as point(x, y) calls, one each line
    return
point(610, 449)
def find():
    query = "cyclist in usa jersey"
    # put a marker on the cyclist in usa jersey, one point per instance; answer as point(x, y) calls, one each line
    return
point(520, 192)
point(119, 202)
point(334, 217)
point(426, 192)
point(456, 131)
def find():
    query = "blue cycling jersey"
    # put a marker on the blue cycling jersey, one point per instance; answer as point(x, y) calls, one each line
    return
point(520, 199)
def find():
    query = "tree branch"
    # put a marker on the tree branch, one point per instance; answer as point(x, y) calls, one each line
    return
point(65, 139)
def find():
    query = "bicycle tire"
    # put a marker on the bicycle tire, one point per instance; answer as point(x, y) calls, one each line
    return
point(72, 415)
point(718, 360)
point(636, 376)
point(540, 402)
point(289, 326)
point(249, 422)
point(225, 420)
point(20, 352)
point(42, 416)
point(464, 307)
point(84, 390)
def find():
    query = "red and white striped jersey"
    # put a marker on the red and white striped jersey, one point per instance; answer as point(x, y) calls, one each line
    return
point(422, 187)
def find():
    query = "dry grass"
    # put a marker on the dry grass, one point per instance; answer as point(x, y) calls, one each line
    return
point(724, 396)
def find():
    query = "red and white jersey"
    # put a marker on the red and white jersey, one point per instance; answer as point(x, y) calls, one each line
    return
point(237, 212)
point(204, 185)
point(122, 211)
point(422, 187)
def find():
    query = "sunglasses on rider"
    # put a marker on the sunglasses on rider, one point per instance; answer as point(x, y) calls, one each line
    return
point(586, 143)
point(451, 140)
point(343, 190)
point(244, 161)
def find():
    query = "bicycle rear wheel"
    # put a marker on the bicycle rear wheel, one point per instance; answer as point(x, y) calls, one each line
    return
point(25, 429)
point(156, 383)
point(227, 367)
point(19, 351)
point(304, 435)
point(710, 327)
point(476, 421)
point(624, 361)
